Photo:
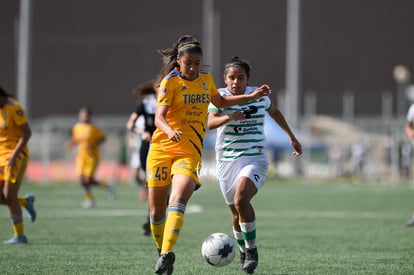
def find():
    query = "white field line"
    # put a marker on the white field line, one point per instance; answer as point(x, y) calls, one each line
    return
point(194, 208)
point(96, 212)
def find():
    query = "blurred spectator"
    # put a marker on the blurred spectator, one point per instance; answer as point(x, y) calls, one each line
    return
point(405, 159)
point(358, 158)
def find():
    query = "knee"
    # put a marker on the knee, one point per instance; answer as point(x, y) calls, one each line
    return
point(240, 201)
point(7, 199)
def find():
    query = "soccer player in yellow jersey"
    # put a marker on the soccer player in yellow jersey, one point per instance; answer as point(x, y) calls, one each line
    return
point(88, 137)
point(15, 132)
point(174, 159)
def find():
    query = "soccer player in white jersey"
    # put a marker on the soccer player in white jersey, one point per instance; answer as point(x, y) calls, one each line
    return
point(242, 164)
point(409, 131)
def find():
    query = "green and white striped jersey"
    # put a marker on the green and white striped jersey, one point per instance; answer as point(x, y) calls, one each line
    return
point(242, 138)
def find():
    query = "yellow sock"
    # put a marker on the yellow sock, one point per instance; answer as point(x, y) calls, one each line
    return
point(17, 220)
point(173, 226)
point(88, 196)
point(22, 201)
point(103, 184)
point(18, 229)
point(157, 229)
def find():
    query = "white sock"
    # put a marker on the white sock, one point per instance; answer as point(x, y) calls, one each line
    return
point(239, 239)
point(249, 233)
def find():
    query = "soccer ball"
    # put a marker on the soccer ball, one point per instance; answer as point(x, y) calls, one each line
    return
point(218, 249)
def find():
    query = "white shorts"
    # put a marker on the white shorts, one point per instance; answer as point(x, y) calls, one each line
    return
point(229, 173)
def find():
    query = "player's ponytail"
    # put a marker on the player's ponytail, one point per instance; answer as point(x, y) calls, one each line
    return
point(3, 93)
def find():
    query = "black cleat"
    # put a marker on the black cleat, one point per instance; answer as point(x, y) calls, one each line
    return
point(147, 229)
point(165, 263)
point(242, 258)
point(251, 261)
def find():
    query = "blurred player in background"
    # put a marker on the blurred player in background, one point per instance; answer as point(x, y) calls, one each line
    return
point(174, 159)
point(242, 163)
point(142, 135)
point(409, 131)
point(88, 137)
point(15, 132)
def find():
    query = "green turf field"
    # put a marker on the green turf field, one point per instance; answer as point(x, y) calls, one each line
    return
point(302, 228)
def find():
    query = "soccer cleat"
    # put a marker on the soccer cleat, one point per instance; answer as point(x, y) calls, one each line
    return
point(147, 229)
point(169, 271)
point(165, 263)
point(17, 240)
point(110, 191)
point(410, 222)
point(251, 261)
point(242, 258)
point(88, 203)
point(30, 207)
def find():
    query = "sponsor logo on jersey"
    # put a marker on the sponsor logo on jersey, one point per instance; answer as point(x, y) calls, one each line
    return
point(204, 86)
point(196, 98)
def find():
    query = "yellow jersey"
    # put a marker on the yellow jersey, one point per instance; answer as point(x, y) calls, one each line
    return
point(187, 103)
point(88, 137)
point(12, 116)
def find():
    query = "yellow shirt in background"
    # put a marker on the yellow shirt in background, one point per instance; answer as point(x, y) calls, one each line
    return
point(12, 116)
point(88, 137)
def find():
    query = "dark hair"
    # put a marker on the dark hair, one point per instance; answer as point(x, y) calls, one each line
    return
point(185, 44)
point(237, 62)
point(146, 88)
point(87, 110)
point(4, 93)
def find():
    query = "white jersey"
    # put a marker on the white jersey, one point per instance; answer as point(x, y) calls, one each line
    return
point(410, 114)
point(242, 138)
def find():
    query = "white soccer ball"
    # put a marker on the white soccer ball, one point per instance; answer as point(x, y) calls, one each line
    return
point(218, 249)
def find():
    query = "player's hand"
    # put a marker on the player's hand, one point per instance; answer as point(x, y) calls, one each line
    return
point(146, 136)
point(175, 135)
point(296, 146)
point(263, 90)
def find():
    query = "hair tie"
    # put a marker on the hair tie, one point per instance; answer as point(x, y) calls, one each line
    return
point(188, 45)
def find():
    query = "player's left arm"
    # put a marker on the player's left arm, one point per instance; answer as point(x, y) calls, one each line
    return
point(281, 121)
point(409, 129)
point(100, 138)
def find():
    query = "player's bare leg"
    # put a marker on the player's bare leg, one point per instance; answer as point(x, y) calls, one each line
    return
point(245, 191)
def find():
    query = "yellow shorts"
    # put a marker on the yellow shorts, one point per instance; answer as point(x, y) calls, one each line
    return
point(86, 166)
point(15, 173)
point(162, 165)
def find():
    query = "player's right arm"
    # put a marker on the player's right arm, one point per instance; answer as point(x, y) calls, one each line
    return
point(215, 119)
point(73, 142)
point(130, 125)
point(409, 127)
point(162, 124)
